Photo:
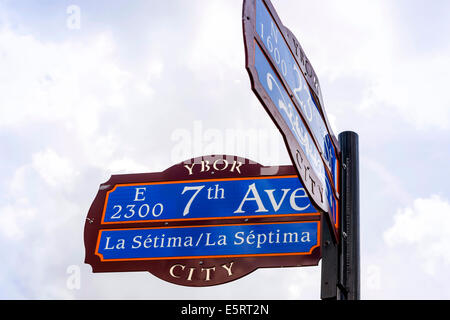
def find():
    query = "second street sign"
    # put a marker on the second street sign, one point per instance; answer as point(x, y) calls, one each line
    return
point(287, 68)
point(280, 84)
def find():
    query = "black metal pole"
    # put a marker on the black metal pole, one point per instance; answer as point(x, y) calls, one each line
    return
point(330, 263)
point(349, 258)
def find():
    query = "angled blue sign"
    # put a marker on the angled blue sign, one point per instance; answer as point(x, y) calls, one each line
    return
point(280, 98)
point(288, 68)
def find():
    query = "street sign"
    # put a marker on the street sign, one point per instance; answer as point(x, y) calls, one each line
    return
point(203, 222)
point(206, 199)
point(236, 240)
point(293, 101)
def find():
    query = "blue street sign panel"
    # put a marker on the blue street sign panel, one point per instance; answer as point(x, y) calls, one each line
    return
point(274, 196)
point(287, 67)
point(244, 240)
point(281, 100)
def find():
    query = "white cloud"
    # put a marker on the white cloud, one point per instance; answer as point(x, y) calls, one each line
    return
point(214, 43)
point(361, 42)
point(126, 165)
point(410, 84)
point(54, 82)
point(54, 169)
point(55, 95)
point(424, 226)
point(393, 186)
point(13, 218)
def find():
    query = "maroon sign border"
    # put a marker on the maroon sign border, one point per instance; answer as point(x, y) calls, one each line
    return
point(194, 272)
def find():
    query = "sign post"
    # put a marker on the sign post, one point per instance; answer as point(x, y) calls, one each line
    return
point(341, 262)
point(330, 265)
point(349, 259)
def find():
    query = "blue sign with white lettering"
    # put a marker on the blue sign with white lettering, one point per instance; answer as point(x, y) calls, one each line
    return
point(286, 238)
point(207, 199)
point(288, 68)
point(280, 98)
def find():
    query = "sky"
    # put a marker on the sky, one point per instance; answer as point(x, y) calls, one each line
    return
point(94, 88)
